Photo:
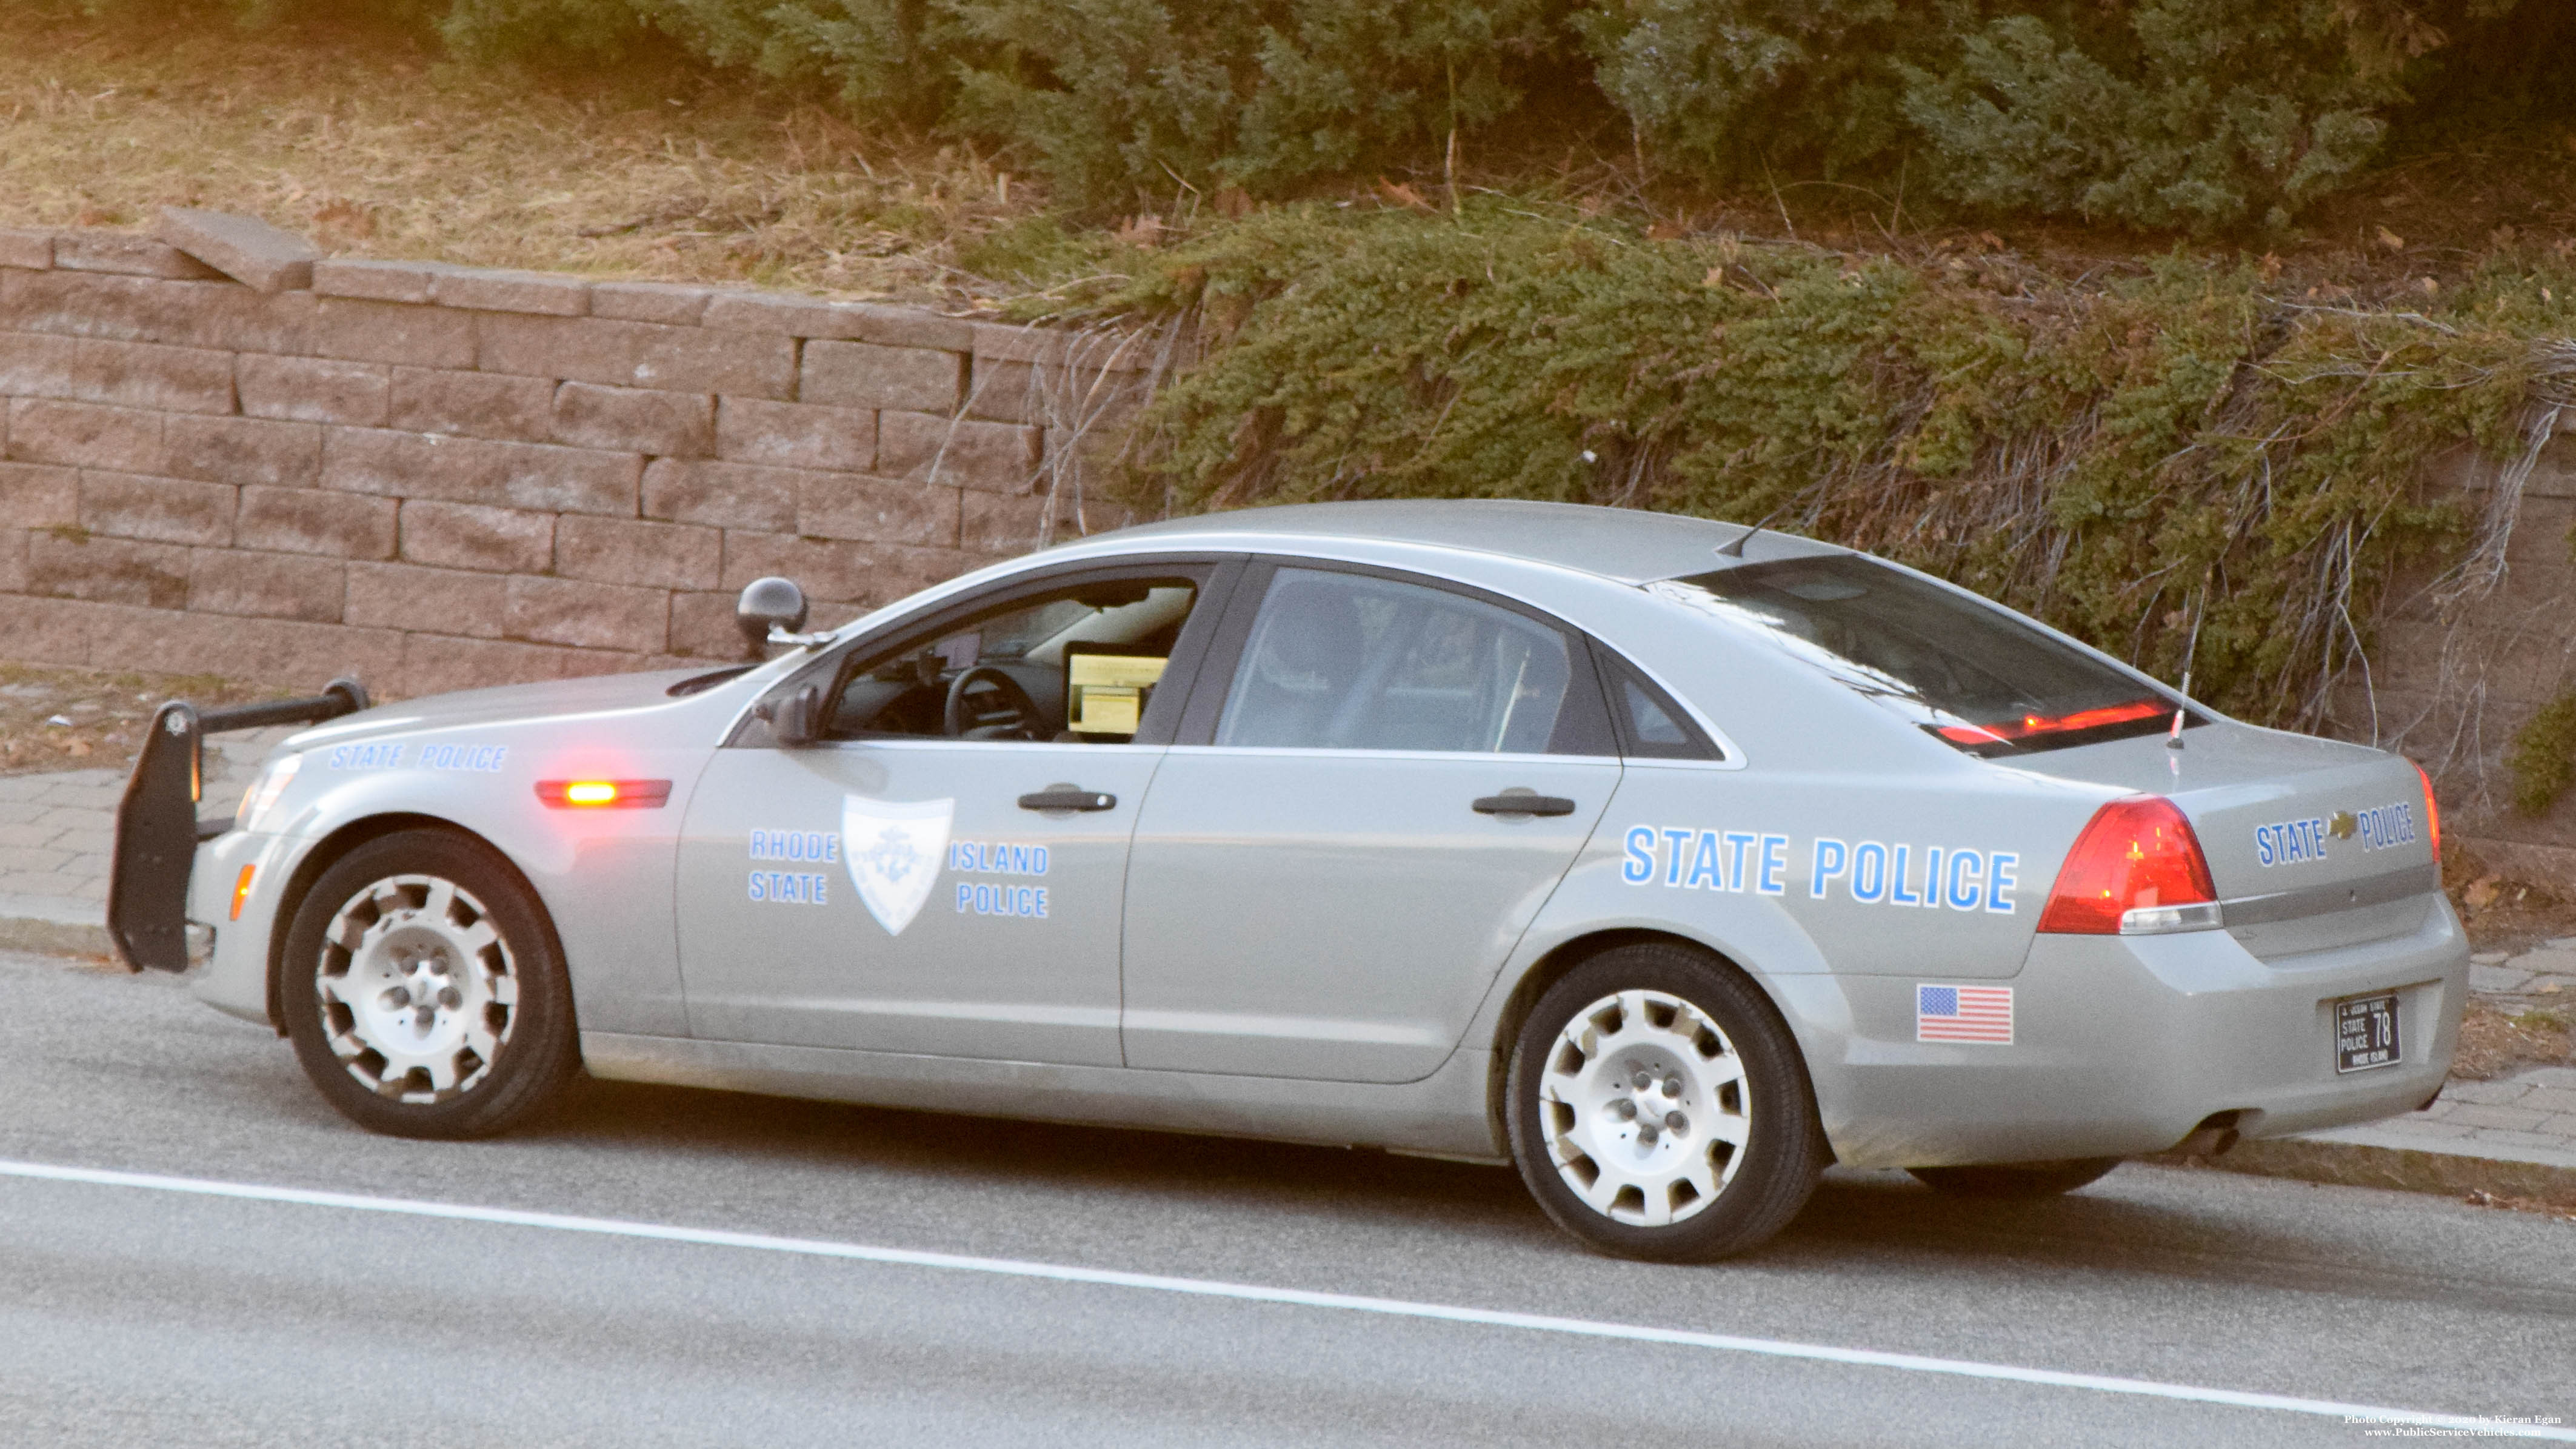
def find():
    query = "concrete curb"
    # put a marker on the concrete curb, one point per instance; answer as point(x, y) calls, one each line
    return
point(2341, 1159)
point(55, 928)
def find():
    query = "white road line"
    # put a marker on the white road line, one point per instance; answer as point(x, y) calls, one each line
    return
point(1255, 1293)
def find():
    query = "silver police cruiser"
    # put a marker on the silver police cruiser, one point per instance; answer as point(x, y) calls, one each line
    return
point(1666, 859)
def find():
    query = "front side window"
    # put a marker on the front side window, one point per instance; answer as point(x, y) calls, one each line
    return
point(1076, 662)
point(1968, 672)
point(1354, 662)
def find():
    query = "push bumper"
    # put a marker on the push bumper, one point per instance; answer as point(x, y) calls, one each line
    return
point(2123, 1045)
point(157, 827)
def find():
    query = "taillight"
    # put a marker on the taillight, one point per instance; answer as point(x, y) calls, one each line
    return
point(2432, 813)
point(2136, 869)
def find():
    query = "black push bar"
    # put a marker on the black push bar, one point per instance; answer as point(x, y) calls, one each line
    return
point(157, 829)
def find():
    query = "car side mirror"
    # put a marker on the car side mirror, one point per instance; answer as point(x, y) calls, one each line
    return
point(793, 718)
point(769, 608)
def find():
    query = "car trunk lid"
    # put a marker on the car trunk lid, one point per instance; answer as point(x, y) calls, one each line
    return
point(2312, 844)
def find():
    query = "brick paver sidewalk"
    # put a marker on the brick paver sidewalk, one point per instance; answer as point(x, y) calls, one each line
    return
point(55, 833)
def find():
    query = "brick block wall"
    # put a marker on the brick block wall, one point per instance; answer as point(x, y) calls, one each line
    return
point(439, 477)
point(2449, 687)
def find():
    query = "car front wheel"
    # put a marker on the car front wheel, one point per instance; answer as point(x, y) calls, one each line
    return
point(424, 991)
point(1658, 1108)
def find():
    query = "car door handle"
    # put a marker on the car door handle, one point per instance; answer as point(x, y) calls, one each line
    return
point(1522, 802)
point(1065, 797)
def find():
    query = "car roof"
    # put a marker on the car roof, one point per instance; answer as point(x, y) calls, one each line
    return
point(1625, 544)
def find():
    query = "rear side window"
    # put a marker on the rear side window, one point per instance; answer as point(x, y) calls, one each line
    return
point(1354, 662)
point(1651, 725)
point(1968, 672)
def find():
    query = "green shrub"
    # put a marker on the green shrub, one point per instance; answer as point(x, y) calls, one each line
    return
point(2198, 114)
point(1121, 100)
point(879, 56)
point(2542, 761)
point(1735, 89)
point(2203, 114)
point(2109, 458)
point(1117, 102)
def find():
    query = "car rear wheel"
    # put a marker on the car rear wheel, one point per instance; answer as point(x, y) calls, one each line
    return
point(1658, 1108)
point(2009, 1180)
point(424, 991)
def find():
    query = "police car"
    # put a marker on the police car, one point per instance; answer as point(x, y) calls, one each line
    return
point(1668, 860)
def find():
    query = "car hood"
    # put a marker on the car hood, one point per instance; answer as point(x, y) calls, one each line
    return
point(505, 704)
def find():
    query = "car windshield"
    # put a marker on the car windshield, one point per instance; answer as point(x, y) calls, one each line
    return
point(1969, 673)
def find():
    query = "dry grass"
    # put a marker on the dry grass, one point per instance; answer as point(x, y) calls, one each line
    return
point(84, 719)
point(2499, 1043)
point(375, 146)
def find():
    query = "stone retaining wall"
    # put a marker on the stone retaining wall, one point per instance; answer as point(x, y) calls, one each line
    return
point(2449, 686)
point(436, 477)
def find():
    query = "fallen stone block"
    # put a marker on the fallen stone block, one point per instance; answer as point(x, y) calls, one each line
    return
point(244, 248)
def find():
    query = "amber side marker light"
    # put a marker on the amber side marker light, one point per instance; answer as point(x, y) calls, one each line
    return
point(241, 890)
point(604, 794)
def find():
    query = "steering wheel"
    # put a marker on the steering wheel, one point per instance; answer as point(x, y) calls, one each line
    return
point(1013, 710)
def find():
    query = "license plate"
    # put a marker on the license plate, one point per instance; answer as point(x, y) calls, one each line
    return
point(2366, 1033)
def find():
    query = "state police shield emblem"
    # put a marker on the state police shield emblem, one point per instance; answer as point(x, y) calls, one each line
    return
point(894, 850)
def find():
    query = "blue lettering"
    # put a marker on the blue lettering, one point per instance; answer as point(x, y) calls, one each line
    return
point(1969, 867)
point(1639, 865)
point(1869, 871)
point(366, 757)
point(1674, 840)
point(1932, 877)
point(965, 896)
point(1896, 880)
point(2263, 845)
point(1775, 859)
point(2000, 882)
point(1737, 842)
point(989, 857)
point(780, 888)
point(1705, 865)
point(1832, 858)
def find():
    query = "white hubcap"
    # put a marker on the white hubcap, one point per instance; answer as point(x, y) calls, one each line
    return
point(1645, 1107)
point(416, 988)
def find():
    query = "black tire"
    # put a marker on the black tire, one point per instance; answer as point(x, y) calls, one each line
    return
point(2007, 1181)
point(505, 1040)
point(1562, 1102)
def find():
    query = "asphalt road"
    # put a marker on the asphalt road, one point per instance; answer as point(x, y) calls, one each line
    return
point(131, 1313)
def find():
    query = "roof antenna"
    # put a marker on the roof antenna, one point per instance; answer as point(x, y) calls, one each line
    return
point(2173, 738)
point(1734, 547)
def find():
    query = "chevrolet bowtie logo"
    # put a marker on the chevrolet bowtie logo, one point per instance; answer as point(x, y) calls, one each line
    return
point(2341, 824)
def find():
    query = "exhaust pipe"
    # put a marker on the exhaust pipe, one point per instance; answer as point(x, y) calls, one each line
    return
point(2212, 1138)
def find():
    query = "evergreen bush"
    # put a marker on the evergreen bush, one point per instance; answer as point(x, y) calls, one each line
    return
point(2117, 459)
point(2198, 114)
point(1122, 100)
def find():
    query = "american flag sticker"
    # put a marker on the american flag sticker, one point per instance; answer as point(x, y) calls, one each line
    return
point(1963, 1013)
